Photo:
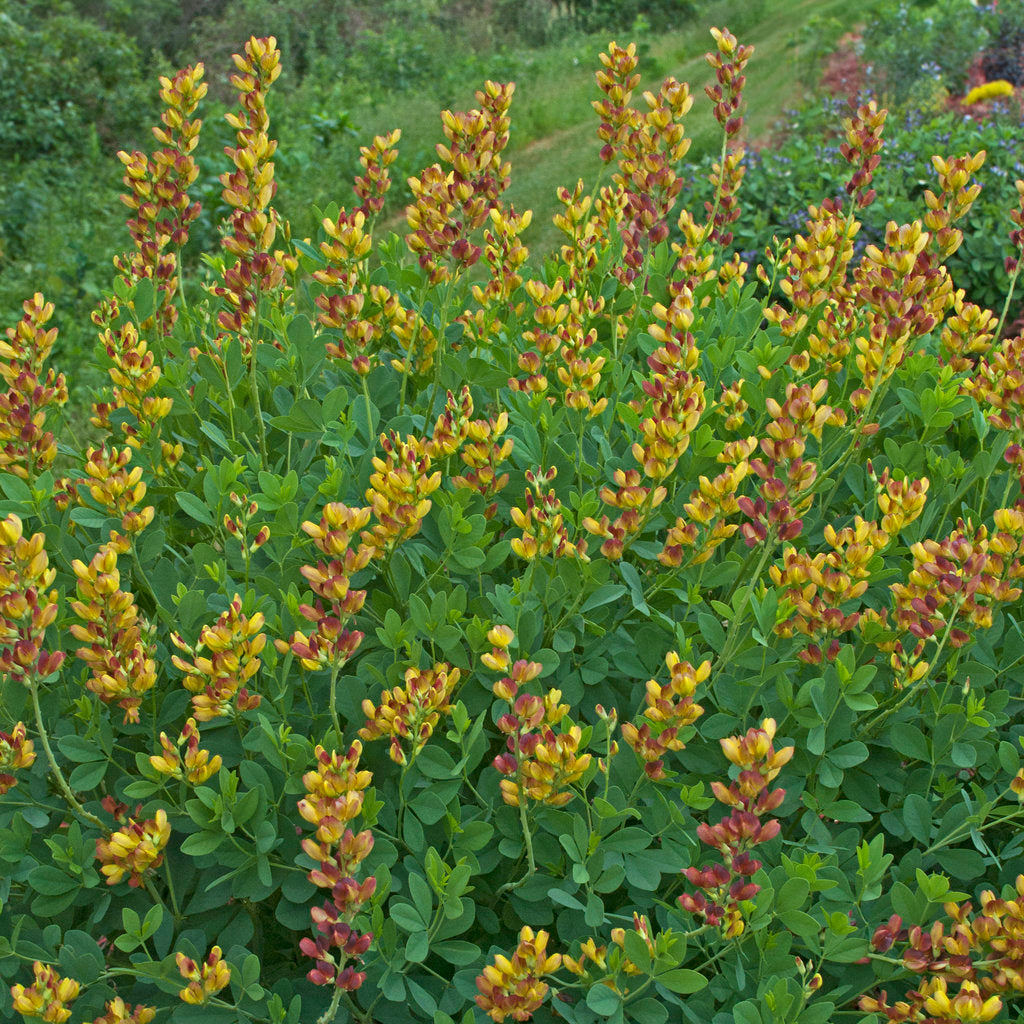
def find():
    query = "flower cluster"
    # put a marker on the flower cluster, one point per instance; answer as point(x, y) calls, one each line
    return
point(117, 488)
point(234, 644)
point(861, 151)
point(448, 206)
point(47, 998)
point(708, 510)
point(158, 196)
point(133, 850)
point(119, 1012)
point(26, 447)
point(818, 586)
point(249, 190)
point(399, 493)
point(196, 767)
point(411, 712)
point(988, 91)
point(332, 643)
point(955, 582)
point(514, 987)
point(204, 980)
point(542, 523)
point(118, 643)
point(966, 333)
point(980, 953)
point(539, 764)
point(954, 202)
point(611, 960)
point(998, 386)
point(787, 478)
point(134, 373)
point(26, 609)
point(483, 451)
point(334, 796)
point(727, 96)
point(669, 710)
point(723, 885)
point(238, 525)
point(16, 752)
point(504, 255)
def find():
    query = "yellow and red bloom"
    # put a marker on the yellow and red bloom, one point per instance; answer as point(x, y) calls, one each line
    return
point(47, 998)
point(204, 980)
point(133, 850)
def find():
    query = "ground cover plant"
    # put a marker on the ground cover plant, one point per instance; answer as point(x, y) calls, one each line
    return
point(435, 637)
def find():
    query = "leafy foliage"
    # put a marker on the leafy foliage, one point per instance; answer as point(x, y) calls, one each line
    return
point(387, 657)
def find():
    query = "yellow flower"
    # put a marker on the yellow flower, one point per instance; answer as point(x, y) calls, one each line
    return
point(988, 91)
point(134, 849)
point(203, 981)
point(46, 997)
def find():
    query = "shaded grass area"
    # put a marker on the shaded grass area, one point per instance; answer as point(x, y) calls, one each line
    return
point(553, 137)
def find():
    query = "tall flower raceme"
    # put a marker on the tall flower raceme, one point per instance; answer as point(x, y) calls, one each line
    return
point(676, 403)
point(399, 492)
point(249, 189)
point(787, 478)
point(363, 313)
point(219, 679)
point(504, 254)
point(117, 640)
point(539, 764)
point(669, 710)
point(515, 987)
point(27, 607)
point(967, 333)
point(483, 452)
point(722, 886)
point(728, 63)
point(158, 196)
point(543, 524)
point(969, 970)
point(134, 850)
point(117, 488)
point(48, 998)
point(26, 446)
point(135, 374)
point(450, 205)
point(16, 752)
point(647, 146)
point(334, 797)
point(410, 713)
point(332, 643)
point(997, 384)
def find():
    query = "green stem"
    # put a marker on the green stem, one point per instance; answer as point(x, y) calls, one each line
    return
point(73, 802)
point(335, 721)
point(1009, 299)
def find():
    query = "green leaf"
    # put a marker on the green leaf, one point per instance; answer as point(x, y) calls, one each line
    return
point(194, 507)
point(963, 864)
point(422, 897)
point(793, 894)
point(917, 816)
point(201, 843)
point(603, 1001)
point(682, 980)
point(48, 880)
point(406, 917)
point(80, 750)
point(417, 947)
point(456, 951)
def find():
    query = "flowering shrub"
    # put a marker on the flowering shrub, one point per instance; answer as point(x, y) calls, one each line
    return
point(314, 670)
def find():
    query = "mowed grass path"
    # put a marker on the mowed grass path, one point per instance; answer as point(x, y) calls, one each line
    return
point(553, 138)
